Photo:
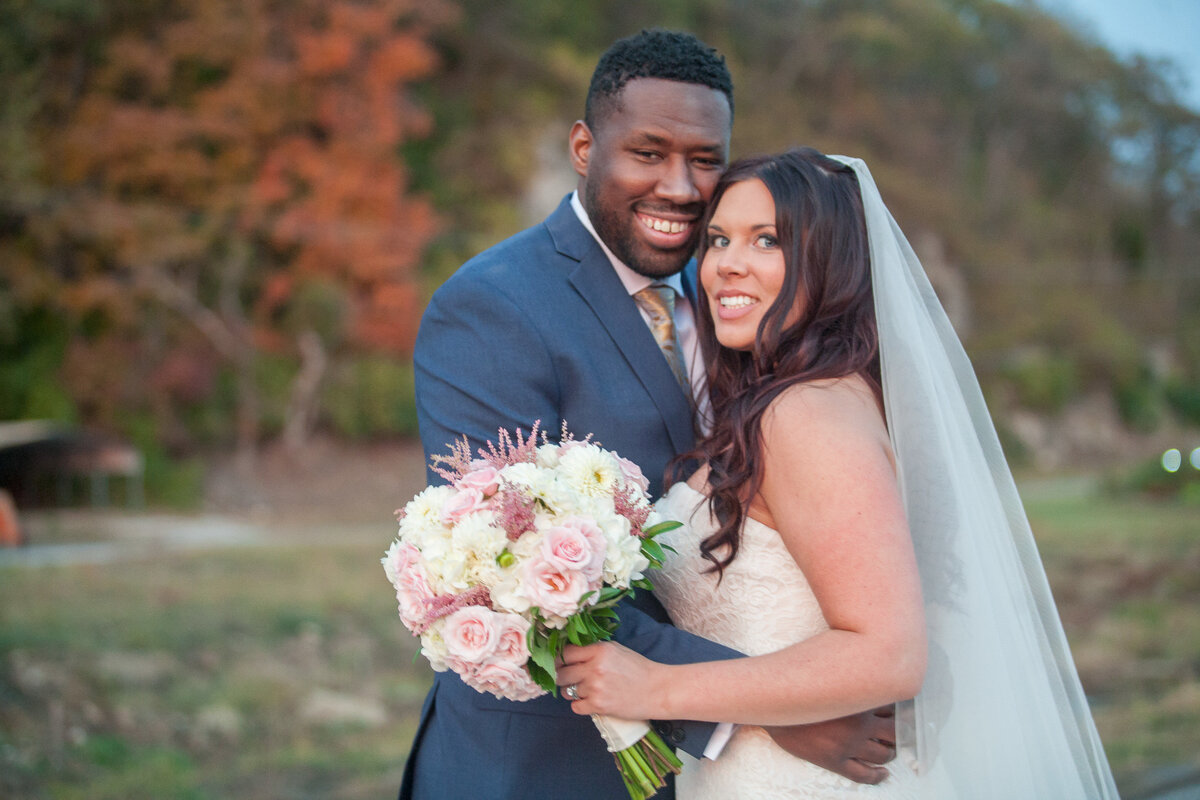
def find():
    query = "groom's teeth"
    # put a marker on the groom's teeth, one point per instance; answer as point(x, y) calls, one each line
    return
point(737, 302)
point(665, 226)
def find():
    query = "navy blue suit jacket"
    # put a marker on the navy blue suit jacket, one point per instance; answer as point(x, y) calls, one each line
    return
point(540, 327)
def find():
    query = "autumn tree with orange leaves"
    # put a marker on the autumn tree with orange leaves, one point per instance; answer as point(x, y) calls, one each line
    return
point(234, 171)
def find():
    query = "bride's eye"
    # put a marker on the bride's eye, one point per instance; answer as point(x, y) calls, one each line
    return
point(766, 240)
point(718, 240)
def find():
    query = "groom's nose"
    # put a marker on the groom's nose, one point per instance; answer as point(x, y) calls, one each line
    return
point(676, 182)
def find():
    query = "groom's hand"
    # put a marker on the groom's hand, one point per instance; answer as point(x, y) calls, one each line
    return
point(851, 746)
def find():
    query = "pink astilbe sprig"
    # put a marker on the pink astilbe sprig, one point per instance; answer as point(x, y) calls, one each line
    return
point(446, 604)
point(625, 503)
point(515, 511)
point(455, 465)
point(504, 452)
point(566, 437)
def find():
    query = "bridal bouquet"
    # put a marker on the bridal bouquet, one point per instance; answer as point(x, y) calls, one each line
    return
point(528, 548)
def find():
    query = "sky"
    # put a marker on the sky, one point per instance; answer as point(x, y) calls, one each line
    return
point(1157, 28)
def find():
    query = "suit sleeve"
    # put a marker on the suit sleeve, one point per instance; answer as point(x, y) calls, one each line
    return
point(646, 629)
point(480, 364)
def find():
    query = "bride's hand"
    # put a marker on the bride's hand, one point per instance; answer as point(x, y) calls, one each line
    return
point(611, 679)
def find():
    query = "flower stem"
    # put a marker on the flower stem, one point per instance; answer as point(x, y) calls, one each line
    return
point(644, 766)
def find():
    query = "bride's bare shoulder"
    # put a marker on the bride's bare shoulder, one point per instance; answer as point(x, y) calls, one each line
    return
point(698, 480)
point(835, 406)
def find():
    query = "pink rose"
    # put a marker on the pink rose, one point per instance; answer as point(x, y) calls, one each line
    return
point(576, 544)
point(513, 646)
point(554, 590)
point(472, 633)
point(633, 473)
point(485, 478)
point(414, 596)
point(566, 447)
point(400, 557)
point(595, 569)
point(413, 592)
point(460, 667)
point(505, 679)
point(460, 504)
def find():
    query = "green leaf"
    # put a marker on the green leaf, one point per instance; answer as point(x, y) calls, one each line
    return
point(542, 678)
point(543, 659)
point(609, 593)
point(574, 625)
point(662, 527)
point(653, 551)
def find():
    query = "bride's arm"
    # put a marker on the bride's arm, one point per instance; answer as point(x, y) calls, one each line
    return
point(830, 490)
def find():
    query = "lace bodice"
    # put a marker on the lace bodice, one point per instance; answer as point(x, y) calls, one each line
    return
point(763, 604)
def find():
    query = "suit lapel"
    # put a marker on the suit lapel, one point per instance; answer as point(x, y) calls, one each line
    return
point(600, 287)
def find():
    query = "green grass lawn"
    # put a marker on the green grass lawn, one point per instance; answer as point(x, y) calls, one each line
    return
point(247, 672)
point(1126, 577)
point(282, 672)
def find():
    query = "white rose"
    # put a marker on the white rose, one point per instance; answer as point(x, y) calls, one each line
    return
point(477, 534)
point(547, 456)
point(523, 474)
point(433, 647)
point(447, 566)
point(542, 484)
point(422, 520)
point(624, 562)
point(507, 594)
point(615, 526)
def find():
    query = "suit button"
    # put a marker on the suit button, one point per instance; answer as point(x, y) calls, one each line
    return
point(678, 735)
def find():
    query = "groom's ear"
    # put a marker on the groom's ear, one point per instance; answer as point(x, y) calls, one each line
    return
point(580, 146)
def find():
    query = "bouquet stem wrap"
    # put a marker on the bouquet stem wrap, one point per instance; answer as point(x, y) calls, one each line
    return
point(641, 755)
point(620, 734)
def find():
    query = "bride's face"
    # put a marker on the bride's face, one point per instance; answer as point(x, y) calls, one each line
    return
point(743, 267)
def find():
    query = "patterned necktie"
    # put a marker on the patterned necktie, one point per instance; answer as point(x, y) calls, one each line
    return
point(658, 301)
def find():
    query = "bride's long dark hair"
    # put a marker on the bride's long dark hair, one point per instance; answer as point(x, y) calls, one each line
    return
point(822, 232)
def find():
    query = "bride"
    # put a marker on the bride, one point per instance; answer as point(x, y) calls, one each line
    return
point(854, 528)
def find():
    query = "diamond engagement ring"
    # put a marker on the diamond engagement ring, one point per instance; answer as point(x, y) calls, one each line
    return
point(571, 692)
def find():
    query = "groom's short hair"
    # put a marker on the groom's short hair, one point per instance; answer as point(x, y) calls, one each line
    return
point(654, 53)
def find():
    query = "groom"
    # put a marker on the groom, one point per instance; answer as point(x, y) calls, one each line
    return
point(549, 325)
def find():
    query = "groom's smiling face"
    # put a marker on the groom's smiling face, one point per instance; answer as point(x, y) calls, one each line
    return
point(648, 168)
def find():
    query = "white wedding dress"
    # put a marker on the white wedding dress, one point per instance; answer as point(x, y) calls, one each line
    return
point(763, 604)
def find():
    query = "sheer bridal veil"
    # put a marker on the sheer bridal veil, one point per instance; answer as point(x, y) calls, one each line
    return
point(1002, 714)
